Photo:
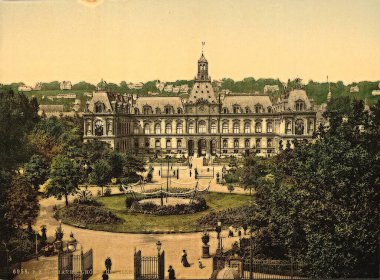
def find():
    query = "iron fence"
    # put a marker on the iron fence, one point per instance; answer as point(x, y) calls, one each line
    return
point(149, 267)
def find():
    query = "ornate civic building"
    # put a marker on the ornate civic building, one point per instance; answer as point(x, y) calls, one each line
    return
point(203, 123)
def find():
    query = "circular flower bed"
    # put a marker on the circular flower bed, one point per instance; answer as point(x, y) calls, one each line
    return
point(196, 205)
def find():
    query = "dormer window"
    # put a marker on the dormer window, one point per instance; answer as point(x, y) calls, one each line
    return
point(236, 109)
point(158, 110)
point(99, 107)
point(225, 110)
point(258, 109)
point(300, 105)
point(270, 110)
point(179, 111)
point(136, 111)
point(147, 110)
point(247, 111)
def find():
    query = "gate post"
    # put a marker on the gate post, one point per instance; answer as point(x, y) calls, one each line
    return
point(137, 265)
point(161, 266)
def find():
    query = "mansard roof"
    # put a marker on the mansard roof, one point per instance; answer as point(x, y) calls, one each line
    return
point(158, 102)
point(246, 101)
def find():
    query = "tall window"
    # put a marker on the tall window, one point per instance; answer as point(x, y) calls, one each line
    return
point(168, 144)
point(213, 127)
point(258, 143)
point(247, 143)
point(136, 128)
point(147, 143)
point(247, 127)
point(269, 143)
point(99, 107)
point(179, 128)
point(99, 128)
point(258, 127)
point(202, 127)
point(158, 143)
point(300, 105)
point(179, 143)
point(191, 127)
point(311, 127)
point(168, 128)
point(236, 128)
point(157, 128)
point(147, 128)
point(258, 109)
point(225, 127)
point(288, 128)
point(269, 127)
point(299, 127)
point(225, 143)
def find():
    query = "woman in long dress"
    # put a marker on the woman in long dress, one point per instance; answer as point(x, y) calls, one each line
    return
point(184, 259)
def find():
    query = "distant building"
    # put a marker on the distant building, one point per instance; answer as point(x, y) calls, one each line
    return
point(66, 96)
point(152, 93)
point(168, 88)
point(184, 88)
point(65, 85)
point(271, 88)
point(24, 88)
point(176, 89)
point(354, 89)
point(160, 85)
point(218, 83)
point(38, 86)
point(88, 94)
point(50, 110)
point(376, 92)
point(135, 86)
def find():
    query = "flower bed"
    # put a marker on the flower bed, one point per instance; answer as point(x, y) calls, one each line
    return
point(197, 205)
point(87, 214)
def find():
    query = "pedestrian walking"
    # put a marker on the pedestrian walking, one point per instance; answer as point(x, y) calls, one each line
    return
point(171, 273)
point(184, 260)
point(108, 264)
point(200, 264)
point(105, 275)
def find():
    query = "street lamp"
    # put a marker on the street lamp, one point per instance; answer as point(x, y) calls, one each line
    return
point(218, 230)
point(158, 245)
point(72, 243)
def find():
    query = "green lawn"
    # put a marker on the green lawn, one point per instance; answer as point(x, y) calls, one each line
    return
point(177, 223)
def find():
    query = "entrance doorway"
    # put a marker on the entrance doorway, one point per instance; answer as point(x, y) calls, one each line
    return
point(202, 146)
point(190, 147)
point(213, 147)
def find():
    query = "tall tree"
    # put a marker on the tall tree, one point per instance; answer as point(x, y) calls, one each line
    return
point(101, 173)
point(64, 176)
point(37, 171)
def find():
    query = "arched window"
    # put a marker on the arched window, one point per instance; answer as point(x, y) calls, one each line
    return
point(288, 127)
point(258, 143)
point(202, 127)
point(136, 111)
point(99, 107)
point(247, 143)
point(269, 143)
point(236, 127)
point(157, 128)
point(300, 105)
point(236, 143)
point(269, 127)
point(99, 128)
point(258, 127)
point(168, 110)
point(270, 110)
point(225, 127)
point(225, 143)
point(147, 128)
point(225, 110)
point(168, 144)
point(258, 109)
point(247, 127)
point(136, 128)
point(300, 127)
point(158, 110)
point(191, 127)
point(213, 127)
point(168, 128)
point(179, 111)
point(179, 128)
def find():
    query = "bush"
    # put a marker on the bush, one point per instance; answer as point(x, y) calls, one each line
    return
point(129, 201)
point(88, 214)
point(108, 191)
point(231, 178)
point(230, 188)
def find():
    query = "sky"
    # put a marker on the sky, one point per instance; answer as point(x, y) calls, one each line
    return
point(142, 40)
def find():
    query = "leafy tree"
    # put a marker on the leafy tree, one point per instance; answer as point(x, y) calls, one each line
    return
point(37, 171)
point(51, 86)
point(101, 173)
point(95, 150)
point(116, 161)
point(22, 203)
point(65, 176)
point(230, 188)
point(18, 115)
point(84, 86)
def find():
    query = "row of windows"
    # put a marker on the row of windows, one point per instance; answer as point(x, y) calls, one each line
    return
point(168, 143)
point(202, 128)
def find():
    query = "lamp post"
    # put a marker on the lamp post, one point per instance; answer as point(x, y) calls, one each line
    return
point(158, 245)
point(218, 230)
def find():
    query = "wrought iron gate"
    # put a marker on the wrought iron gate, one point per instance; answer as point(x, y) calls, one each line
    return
point(150, 267)
point(75, 267)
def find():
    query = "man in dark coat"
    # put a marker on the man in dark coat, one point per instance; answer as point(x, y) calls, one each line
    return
point(108, 264)
point(171, 273)
point(104, 275)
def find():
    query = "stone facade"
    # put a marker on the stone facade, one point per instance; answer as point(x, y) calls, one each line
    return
point(204, 123)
